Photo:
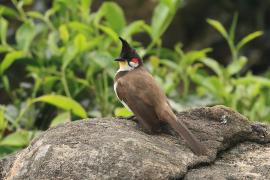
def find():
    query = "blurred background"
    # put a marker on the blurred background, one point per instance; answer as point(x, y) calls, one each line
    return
point(56, 58)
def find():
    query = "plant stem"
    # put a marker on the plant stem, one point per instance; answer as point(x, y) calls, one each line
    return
point(186, 86)
point(233, 50)
point(106, 93)
point(20, 10)
point(65, 84)
point(22, 112)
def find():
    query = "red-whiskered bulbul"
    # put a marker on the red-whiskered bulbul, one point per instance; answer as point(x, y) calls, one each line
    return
point(137, 90)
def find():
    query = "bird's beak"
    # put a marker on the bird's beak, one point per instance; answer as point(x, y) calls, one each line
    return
point(119, 59)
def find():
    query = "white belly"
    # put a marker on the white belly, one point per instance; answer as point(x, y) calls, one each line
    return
point(124, 104)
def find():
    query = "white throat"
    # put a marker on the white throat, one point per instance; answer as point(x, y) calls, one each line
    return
point(126, 68)
point(123, 66)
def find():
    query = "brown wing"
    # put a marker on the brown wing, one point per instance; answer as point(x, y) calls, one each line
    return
point(138, 90)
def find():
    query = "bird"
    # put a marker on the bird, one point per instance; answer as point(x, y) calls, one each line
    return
point(138, 91)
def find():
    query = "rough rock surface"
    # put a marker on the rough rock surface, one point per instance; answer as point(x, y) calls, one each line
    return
point(245, 161)
point(112, 148)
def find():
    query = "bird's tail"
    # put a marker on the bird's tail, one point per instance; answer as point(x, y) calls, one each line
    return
point(195, 145)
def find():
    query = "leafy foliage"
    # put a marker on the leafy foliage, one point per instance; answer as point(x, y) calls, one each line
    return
point(247, 94)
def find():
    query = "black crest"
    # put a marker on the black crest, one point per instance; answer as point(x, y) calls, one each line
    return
point(127, 52)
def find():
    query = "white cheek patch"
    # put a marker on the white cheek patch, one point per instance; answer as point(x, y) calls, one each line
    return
point(124, 66)
point(133, 64)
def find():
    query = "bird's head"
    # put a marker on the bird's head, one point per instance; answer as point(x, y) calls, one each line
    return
point(129, 59)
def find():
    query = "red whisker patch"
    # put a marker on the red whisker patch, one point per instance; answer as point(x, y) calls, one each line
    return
point(135, 60)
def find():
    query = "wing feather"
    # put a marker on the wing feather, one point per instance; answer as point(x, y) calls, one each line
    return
point(134, 93)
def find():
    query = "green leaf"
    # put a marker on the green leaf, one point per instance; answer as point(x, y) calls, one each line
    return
point(259, 107)
point(212, 84)
point(162, 17)
point(154, 61)
point(70, 54)
point(27, 2)
point(192, 56)
point(136, 27)
point(19, 138)
point(35, 14)
point(236, 66)
point(159, 18)
point(4, 48)
point(104, 61)
point(78, 26)
point(218, 26)
point(3, 31)
point(51, 12)
point(124, 112)
point(248, 38)
point(5, 150)
point(6, 83)
point(3, 122)
point(114, 16)
point(80, 42)
point(60, 119)
point(213, 65)
point(25, 35)
point(63, 102)
point(64, 34)
point(171, 64)
point(49, 82)
point(254, 90)
point(52, 43)
point(9, 59)
point(110, 32)
point(251, 79)
point(83, 82)
point(94, 42)
point(85, 5)
point(4, 10)
point(233, 27)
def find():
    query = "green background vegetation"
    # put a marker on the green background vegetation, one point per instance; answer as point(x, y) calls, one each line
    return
point(58, 67)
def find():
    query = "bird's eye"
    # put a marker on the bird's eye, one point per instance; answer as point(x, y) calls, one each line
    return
point(135, 60)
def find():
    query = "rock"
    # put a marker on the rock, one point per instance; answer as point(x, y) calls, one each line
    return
point(245, 161)
point(111, 148)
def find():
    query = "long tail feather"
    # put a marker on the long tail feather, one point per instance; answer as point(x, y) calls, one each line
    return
point(195, 145)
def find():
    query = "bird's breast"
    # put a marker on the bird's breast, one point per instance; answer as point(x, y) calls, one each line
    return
point(115, 90)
